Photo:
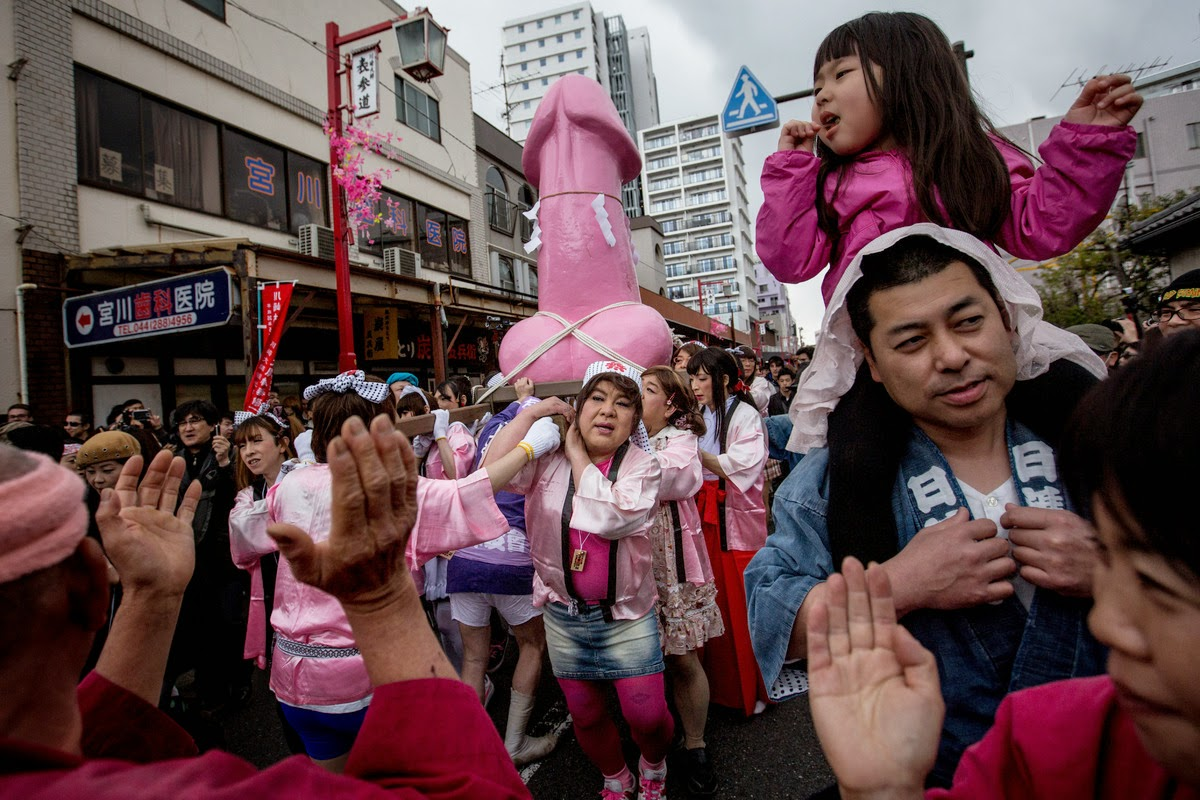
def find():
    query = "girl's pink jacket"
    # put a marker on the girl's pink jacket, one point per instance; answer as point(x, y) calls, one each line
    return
point(682, 477)
point(450, 515)
point(621, 511)
point(1054, 207)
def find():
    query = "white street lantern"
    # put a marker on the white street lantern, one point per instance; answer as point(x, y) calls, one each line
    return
point(422, 46)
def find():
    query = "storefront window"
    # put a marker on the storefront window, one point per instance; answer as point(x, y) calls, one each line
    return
point(308, 197)
point(255, 182)
point(181, 158)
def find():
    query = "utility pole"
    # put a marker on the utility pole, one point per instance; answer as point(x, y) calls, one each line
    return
point(962, 54)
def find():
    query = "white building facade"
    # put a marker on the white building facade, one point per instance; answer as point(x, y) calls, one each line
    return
point(775, 311)
point(694, 184)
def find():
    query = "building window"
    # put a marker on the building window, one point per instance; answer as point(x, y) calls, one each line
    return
point(1139, 150)
point(545, 81)
point(533, 280)
point(525, 85)
point(578, 34)
point(442, 241)
point(539, 22)
point(541, 62)
point(575, 14)
point(579, 54)
point(526, 201)
point(214, 7)
point(307, 198)
point(562, 57)
point(394, 228)
point(499, 209)
point(507, 278)
point(256, 184)
point(108, 147)
point(527, 104)
point(521, 28)
point(524, 66)
point(521, 47)
point(541, 42)
point(1193, 136)
point(417, 110)
point(559, 39)
point(557, 19)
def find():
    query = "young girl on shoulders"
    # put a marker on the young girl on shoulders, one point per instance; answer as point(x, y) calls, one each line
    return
point(896, 138)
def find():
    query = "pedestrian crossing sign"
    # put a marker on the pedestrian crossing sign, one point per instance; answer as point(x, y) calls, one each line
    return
point(750, 106)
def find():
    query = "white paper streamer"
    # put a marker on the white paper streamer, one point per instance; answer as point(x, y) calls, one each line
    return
point(535, 238)
point(602, 220)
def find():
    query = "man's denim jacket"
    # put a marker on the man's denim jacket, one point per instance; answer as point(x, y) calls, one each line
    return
point(982, 653)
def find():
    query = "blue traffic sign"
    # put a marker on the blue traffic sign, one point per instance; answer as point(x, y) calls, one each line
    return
point(750, 106)
point(171, 305)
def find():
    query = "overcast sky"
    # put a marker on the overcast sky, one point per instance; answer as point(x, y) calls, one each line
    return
point(1024, 51)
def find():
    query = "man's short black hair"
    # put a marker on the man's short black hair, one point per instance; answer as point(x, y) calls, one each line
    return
point(773, 360)
point(201, 408)
point(789, 372)
point(20, 406)
point(907, 261)
point(807, 350)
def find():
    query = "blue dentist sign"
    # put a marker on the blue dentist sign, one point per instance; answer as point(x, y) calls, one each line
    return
point(750, 106)
point(171, 305)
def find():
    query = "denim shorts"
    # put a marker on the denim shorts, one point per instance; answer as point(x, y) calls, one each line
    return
point(586, 648)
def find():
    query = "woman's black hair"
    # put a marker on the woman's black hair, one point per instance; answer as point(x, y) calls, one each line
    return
point(452, 389)
point(624, 385)
point(1134, 445)
point(927, 107)
point(687, 415)
point(716, 362)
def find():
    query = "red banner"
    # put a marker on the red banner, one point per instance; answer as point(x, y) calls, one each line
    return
point(275, 301)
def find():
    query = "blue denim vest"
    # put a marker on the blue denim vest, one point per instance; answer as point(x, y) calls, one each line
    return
point(985, 652)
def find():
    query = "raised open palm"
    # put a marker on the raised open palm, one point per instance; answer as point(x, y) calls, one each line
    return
point(873, 688)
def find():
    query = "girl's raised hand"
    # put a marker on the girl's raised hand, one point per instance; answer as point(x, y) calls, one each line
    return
point(1105, 100)
point(798, 135)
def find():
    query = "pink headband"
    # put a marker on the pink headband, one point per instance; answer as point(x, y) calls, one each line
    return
point(53, 518)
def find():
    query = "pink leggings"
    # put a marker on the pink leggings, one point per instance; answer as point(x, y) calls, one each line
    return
point(643, 703)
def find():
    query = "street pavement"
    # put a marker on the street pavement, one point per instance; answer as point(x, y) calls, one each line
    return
point(772, 755)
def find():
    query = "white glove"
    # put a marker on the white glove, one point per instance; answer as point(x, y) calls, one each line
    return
point(420, 446)
point(544, 437)
point(441, 423)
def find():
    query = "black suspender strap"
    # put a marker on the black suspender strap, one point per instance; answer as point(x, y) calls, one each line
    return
point(568, 506)
point(680, 569)
point(721, 481)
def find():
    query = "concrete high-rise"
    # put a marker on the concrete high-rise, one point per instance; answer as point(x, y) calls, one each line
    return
point(694, 183)
point(575, 39)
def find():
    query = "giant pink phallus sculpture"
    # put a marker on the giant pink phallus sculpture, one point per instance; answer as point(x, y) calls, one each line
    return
point(578, 154)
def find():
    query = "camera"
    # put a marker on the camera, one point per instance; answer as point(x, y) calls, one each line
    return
point(140, 415)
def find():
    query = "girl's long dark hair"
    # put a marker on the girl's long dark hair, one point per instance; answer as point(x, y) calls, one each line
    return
point(715, 362)
point(926, 105)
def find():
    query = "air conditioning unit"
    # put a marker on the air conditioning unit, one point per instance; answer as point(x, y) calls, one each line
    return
point(316, 241)
point(399, 261)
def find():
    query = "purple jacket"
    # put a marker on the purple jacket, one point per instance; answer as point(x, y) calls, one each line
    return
point(1054, 207)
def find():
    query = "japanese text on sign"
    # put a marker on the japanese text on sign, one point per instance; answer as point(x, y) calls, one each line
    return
point(364, 82)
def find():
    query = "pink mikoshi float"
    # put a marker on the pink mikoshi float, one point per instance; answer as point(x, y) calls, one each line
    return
point(577, 155)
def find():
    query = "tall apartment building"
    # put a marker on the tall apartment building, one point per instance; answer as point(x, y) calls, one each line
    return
point(775, 311)
point(575, 39)
point(695, 186)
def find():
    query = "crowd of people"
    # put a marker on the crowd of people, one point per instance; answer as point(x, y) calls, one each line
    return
point(675, 534)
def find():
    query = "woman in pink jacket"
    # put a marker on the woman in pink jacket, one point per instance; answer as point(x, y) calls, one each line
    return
point(589, 510)
point(317, 672)
point(896, 138)
point(687, 593)
point(733, 452)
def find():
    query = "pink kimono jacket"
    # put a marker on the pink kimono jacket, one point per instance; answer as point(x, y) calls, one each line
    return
point(451, 514)
point(1069, 739)
point(1053, 208)
point(744, 459)
point(247, 538)
point(620, 511)
point(682, 476)
point(462, 443)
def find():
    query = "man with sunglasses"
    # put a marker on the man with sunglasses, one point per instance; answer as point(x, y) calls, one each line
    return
point(1179, 306)
point(78, 426)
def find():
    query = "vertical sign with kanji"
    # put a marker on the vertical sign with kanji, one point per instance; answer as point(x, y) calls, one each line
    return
point(364, 81)
point(379, 335)
point(275, 300)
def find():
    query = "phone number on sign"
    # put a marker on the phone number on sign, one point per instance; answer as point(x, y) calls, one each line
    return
point(151, 325)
